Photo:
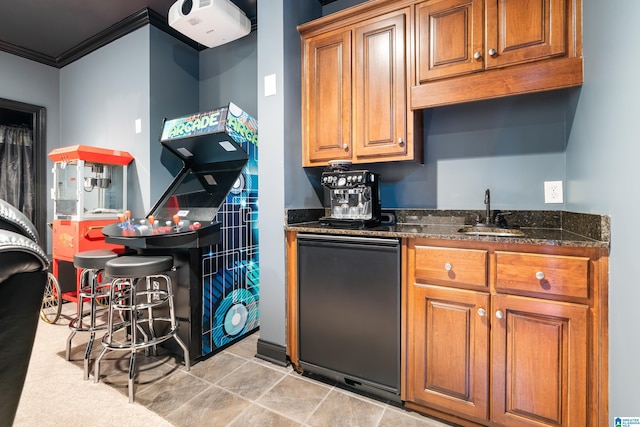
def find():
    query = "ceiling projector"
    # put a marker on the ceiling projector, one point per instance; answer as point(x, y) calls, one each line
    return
point(209, 22)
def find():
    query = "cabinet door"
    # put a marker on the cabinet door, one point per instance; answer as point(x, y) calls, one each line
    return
point(539, 362)
point(326, 107)
point(380, 91)
point(449, 363)
point(448, 38)
point(525, 30)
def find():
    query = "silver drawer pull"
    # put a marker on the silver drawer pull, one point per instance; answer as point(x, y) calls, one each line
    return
point(448, 267)
point(482, 312)
point(539, 275)
point(499, 314)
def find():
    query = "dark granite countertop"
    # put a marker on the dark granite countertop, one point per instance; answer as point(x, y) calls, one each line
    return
point(556, 228)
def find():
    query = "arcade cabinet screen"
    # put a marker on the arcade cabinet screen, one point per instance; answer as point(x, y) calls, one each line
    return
point(197, 196)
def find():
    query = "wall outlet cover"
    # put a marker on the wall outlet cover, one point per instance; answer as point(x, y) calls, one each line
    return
point(553, 192)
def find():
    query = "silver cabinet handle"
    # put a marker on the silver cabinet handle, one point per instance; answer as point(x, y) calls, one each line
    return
point(499, 314)
point(448, 267)
point(482, 312)
point(345, 146)
point(539, 275)
point(477, 55)
point(400, 141)
point(492, 52)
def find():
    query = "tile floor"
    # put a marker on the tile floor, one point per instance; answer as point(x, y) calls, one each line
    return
point(234, 388)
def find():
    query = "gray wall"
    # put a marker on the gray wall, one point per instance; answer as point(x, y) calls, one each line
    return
point(602, 173)
point(280, 174)
point(174, 85)
point(228, 74)
point(146, 75)
point(101, 96)
point(33, 83)
point(510, 145)
point(271, 112)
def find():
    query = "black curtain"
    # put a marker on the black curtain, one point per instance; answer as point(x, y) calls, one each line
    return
point(17, 174)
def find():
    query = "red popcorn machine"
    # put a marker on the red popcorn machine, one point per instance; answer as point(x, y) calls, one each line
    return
point(89, 191)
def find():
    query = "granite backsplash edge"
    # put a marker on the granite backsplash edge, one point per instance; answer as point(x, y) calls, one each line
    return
point(592, 226)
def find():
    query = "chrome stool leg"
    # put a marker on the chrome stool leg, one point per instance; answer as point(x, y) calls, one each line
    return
point(91, 263)
point(139, 301)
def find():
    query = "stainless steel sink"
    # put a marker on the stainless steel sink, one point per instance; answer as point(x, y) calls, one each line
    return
point(491, 231)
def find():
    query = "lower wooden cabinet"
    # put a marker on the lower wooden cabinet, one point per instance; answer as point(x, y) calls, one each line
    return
point(505, 358)
point(538, 362)
point(449, 357)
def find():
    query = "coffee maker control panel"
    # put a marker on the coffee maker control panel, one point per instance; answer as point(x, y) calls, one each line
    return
point(352, 198)
point(347, 179)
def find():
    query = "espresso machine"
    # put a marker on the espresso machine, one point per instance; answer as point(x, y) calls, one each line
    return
point(352, 197)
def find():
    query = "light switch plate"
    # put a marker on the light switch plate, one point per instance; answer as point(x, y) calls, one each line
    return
point(270, 85)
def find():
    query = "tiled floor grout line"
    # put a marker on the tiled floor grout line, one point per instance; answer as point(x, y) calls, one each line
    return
point(331, 388)
point(166, 417)
point(240, 357)
point(257, 403)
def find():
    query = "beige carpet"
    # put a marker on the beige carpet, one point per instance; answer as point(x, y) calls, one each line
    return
point(56, 395)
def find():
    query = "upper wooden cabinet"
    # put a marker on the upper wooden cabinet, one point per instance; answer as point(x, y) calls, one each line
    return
point(366, 70)
point(520, 31)
point(448, 35)
point(355, 81)
point(380, 114)
point(326, 113)
point(469, 50)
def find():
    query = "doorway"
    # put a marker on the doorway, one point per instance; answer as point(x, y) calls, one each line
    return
point(23, 126)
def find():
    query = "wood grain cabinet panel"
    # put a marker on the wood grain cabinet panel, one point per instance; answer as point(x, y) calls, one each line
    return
point(380, 114)
point(543, 275)
point(450, 350)
point(327, 94)
point(356, 77)
point(520, 31)
point(539, 359)
point(523, 352)
point(468, 50)
point(451, 266)
point(449, 38)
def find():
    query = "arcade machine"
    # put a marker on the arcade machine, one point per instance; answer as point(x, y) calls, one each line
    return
point(206, 220)
point(90, 191)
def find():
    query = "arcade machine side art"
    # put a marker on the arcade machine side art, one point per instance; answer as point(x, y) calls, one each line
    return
point(230, 269)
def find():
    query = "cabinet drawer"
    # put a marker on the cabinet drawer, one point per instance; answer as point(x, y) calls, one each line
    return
point(451, 265)
point(543, 274)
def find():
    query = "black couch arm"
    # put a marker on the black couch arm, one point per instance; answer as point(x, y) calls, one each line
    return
point(19, 254)
point(13, 220)
point(23, 277)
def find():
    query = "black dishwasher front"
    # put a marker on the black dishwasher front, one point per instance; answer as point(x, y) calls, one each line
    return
point(349, 311)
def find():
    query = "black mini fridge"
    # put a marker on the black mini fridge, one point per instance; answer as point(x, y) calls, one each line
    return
point(349, 311)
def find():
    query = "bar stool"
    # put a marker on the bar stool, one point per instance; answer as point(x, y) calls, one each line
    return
point(138, 331)
point(92, 264)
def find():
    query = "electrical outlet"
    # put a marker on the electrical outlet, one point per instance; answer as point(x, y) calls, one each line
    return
point(553, 192)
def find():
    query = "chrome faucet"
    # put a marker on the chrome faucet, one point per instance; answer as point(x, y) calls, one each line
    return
point(487, 202)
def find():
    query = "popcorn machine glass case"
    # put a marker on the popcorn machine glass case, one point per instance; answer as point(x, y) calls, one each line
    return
point(89, 183)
